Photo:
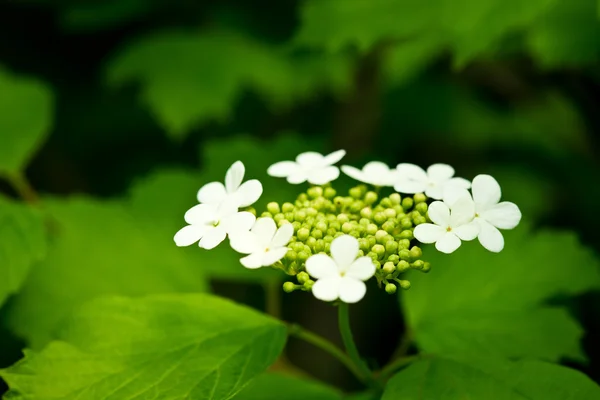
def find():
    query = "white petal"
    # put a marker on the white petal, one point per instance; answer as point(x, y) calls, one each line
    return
point(213, 192)
point(283, 169)
point(462, 212)
point(344, 250)
point(439, 214)
point(363, 268)
point(435, 191)
point(311, 159)
point(321, 266)
point(234, 176)
point(238, 222)
point(411, 172)
point(448, 243)
point(490, 237)
point(440, 172)
point(282, 236)
point(428, 233)
point(468, 231)
point(353, 173)
point(352, 290)
point(264, 229)
point(505, 215)
point(322, 176)
point(408, 186)
point(246, 243)
point(379, 174)
point(273, 255)
point(334, 157)
point(452, 193)
point(486, 191)
point(189, 235)
point(202, 214)
point(297, 177)
point(253, 261)
point(212, 238)
point(249, 192)
point(327, 289)
point(459, 182)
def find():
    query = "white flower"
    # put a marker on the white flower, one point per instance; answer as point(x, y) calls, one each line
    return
point(264, 243)
point(211, 223)
point(450, 224)
point(310, 166)
point(341, 275)
point(491, 214)
point(375, 173)
point(243, 194)
point(413, 179)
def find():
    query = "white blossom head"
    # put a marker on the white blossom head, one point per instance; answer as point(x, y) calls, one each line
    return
point(342, 275)
point(374, 173)
point(244, 194)
point(209, 224)
point(264, 243)
point(311, 167)
point(413, 179)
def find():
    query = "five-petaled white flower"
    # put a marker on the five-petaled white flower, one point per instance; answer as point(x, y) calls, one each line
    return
point(264, 243)
point(413, 179)
point(491, 214)
point(244, 194)
point(310, 166)
point(211, 223)
point(375, 173)
point(450, 224)
point(341, 275)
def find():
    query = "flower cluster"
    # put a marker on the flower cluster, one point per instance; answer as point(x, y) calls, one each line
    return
point(331, 243)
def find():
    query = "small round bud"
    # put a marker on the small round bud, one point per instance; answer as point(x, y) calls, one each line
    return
point(380, 235)
point(328, 239)
point(300, 215)
point(372, 241)
point(419, 220)
point(278, 217)
point(273, 208)
point(327, 247)
point(379, 218)
point(319, 245)
point(334, 224)
point(291, 255)
point(302, 256)
point(251, 210)
point(356, 193)
point(297, 225)
point(406, 223)
point(329, 193)
point(419, 264)
point(390, 288)
point(373, 257)
point(404, 254)
point(390, 213)
point(287, 207)
point(420, 198)
point(364, 222)
point(371, 229)
point(317, 234)
point(370, 198)
point(347, 227)
point(289, 216)
point(385, 202)
point(297, 247)
point(363, 244)
point(416, 252)
point(404, 284)
point(321, 225)
point(426, 267)
point(391, 246)
point(311, 241)
point(283, 222)
point(394, 258)
point(308, 284)
point(402, 266)
point(366, 212)
point(389, 267)
point(342, 218)
point(403, 244)
point(338, 201)
point(388, 226)
point(303, 234)
point(302, 277)
point(421, 208)
point(330, 232)
point(338, 234)
point(379, 250)
point(407, 234)
point(320, 203)
point(314, 192)
point(407, 203)
point(289, 287)
point(311, 212)
point(266, 214)
point(395, 198)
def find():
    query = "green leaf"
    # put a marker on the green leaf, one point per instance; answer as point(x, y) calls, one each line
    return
point(26, 108)
point(99, 248)
point(270, 386)
point(180, 346)
point(188, 79)
point(442, 378)
point(94, 16)
point(477, 302)
point(22, 243)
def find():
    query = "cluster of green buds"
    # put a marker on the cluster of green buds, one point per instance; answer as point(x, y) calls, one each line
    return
point(383, 226)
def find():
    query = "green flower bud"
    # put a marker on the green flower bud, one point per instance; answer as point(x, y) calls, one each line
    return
point(407, 203)
point(356, 206)
point(364, 222)
point(406, 223)
point(329, 193)
point(403, 244)
point(386, 202)
point(317, 233)
point(303, 234)
point(287, 207)
point(419, 220)
point(321, 225)
point(289, 216)
point(302, 277)
point(328, 239)
point(421, 208)
point(330, 232)
point(347, 227)
point(356, 193)
point(342, 218)
point(390, 213)
point(391, 246)
point(302, 256)
point(319, 246)
point(366, 212)
point(338, 201)
point(370, 198)
point(426, 267)
point(363, 244)
point(390, 288)
point(297, 225)
point(266, 214)
point(379, 218)
point(372, 241)
point(320, 203)
point(307, 249)
point(404, 284)
point(300, 215)
point(371, 229)
point(407, 234)
point(327, 247)
point(388, 226)
point(283, 222)
point(380, 235)
point(308, 284)
point(289, 287)
point(419, 264)
point(373, 256)
point(402, 266)
point(251, 210)
point(338, 234)
point(389, 267)
point(379, 250)
point(404, 254)
point(291, 255)
point(395, 198)
point(311, 212)
point(278, 217)
point(273, 208)
point(311, 241)
point(394, 258)
point(399, 212)
point(416, 252)
point(420, 198)
point(314, 192)
point(302, 197)
point(355, 233)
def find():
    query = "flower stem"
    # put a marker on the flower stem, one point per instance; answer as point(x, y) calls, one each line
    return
point(272, 288)
point(325, 345)
point(351, 349)
point(23, 188)
point(386, 372)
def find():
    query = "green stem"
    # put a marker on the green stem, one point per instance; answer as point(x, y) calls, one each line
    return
point(23, 188)
point(273, 290)
point(351, 349)
point(325, 345)
point(386, 372)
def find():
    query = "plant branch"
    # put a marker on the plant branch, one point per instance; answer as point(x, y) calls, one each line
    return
point(23, 188)
point(272, 288)
point(386, 372)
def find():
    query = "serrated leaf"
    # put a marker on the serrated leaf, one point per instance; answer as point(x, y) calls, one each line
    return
point(26, 107)
point(99, 248)
point(177, 346)
point(270, 386)
point(22, 243)
point(477, 302)
point(188, 79)
point(441, 378)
